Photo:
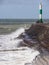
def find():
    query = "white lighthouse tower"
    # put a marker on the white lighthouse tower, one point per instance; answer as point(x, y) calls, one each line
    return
point(40, 13)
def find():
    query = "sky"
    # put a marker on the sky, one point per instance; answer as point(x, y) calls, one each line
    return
point(23, 9)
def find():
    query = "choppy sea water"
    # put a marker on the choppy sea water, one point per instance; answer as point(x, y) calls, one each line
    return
point(21, 55)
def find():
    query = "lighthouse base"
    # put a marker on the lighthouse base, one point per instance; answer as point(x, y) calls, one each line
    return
point(40, 21)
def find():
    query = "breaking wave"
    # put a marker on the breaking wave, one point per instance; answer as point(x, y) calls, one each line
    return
point(11, 54)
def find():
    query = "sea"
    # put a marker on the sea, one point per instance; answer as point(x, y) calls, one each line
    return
point(15, 21)
point(11, 53)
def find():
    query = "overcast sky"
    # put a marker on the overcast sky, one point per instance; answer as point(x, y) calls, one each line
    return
point(23, 9)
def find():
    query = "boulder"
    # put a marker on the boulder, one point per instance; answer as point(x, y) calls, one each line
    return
point(41, 33)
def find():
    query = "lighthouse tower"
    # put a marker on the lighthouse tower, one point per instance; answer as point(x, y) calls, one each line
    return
point(40, 13)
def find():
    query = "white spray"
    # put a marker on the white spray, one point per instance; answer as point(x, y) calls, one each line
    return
point(20, 57)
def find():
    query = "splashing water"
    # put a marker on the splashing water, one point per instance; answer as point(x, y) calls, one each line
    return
point(10, 41)
point(21, 56)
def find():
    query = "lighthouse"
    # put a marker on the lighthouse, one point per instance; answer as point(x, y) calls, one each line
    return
point(40, 13)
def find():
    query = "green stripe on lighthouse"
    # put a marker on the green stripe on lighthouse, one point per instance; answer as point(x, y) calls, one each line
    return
point(41, 11)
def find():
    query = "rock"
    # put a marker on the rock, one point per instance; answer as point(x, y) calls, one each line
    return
point(41, 33)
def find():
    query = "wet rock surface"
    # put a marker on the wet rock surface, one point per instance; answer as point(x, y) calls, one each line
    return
point(41, 33)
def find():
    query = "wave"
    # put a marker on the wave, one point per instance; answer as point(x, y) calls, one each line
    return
point(10, 41)
point(10, 52)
